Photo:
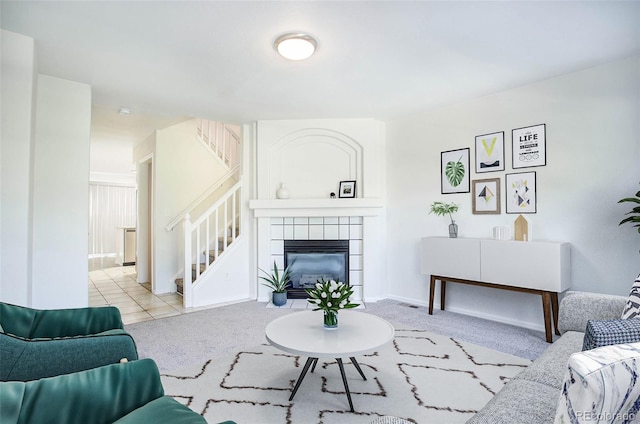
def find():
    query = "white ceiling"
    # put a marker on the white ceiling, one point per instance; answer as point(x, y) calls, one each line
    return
point(214, 59)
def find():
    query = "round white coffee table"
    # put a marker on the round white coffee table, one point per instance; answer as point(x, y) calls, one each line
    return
point(303, 333)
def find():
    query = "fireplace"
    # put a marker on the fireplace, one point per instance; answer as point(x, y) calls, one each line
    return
point(312, 260)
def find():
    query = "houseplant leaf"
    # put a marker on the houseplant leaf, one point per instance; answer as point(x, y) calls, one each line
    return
point(635, 212)
point(455, 172)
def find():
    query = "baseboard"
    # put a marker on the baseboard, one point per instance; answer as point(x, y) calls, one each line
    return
point(473, 313)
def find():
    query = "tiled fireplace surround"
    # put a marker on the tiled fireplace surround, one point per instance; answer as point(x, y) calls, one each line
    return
point(321, 228)
point(357, 220)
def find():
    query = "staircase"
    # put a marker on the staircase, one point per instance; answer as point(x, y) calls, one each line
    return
point(209, 237)
point(212, 254)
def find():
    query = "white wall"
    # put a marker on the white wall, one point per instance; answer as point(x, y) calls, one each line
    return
point(16, 144)
point(312, 156)
point(183, 170)
point(61, 193)
point(592, 119)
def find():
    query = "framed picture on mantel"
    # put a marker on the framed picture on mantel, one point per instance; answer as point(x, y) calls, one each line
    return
point(347, 189)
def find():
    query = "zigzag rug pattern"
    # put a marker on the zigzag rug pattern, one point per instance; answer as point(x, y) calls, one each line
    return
point(420, 376)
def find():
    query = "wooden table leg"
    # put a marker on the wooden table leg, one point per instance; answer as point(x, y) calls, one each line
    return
point(554, 310)
point(432, 292)
point(546, 311)
point(443, 290)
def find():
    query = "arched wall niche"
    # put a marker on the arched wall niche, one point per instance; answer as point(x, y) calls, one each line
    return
point(311, 163)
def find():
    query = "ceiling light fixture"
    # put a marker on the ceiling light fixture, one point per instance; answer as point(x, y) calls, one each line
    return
point(124, 111)
point(295, 46)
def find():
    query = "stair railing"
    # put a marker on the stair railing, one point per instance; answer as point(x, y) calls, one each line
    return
point(219, 182)
point(222, 222)
point(221, 139)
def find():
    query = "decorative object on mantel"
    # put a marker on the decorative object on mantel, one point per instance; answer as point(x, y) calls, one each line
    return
point(454, 169)
point(529, 146)
point(332, 195)
point(442, 209)
point(635, 212)
point(521, 229)
point(521, 192)
point(282, 192)
point(330, 296)
point(278, 283)
point(347, 189)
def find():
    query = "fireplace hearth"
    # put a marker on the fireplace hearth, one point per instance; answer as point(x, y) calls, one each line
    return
point(312, 260)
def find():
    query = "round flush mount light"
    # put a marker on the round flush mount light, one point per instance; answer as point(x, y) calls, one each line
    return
point(295, 46)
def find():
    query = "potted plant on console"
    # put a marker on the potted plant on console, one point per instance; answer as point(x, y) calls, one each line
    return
point(443, 209)
point(278, 283)
point(330, 296)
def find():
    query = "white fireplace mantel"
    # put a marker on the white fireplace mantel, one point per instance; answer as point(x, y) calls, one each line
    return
point(264, 208)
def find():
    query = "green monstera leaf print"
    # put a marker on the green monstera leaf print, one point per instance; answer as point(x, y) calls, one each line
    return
point(455, 172)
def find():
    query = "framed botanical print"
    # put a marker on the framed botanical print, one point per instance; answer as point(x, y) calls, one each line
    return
point(521, 192)
point(490, 152)
point(529, 146)
point(454, 171)
point(486, 196)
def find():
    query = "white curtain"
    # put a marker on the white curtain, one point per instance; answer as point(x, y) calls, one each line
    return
point(110, 206)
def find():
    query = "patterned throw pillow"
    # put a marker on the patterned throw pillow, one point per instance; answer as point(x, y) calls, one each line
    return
point(611, 332)
point(632, 309)
point(601, 386)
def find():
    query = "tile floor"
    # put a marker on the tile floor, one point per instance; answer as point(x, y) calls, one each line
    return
point(111, 284)
point(117, 286)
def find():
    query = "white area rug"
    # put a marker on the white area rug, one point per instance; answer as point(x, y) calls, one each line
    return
point(420, 376)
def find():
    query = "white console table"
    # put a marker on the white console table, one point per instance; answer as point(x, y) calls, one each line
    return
point(536, 267)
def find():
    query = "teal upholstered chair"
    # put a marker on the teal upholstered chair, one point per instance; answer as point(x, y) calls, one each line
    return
point(120, 393)
point(44, 343)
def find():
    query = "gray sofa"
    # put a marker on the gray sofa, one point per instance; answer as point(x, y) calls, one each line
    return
point(532, 396)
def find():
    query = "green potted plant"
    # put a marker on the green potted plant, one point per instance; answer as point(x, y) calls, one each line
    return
point(278, 283)
point(635, 212)
point(444, 209)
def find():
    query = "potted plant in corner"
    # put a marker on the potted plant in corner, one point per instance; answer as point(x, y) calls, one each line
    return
point(443, 209)
point(635, 212)
point(278, 283)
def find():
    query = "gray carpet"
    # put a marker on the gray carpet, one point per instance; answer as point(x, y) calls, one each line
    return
point(189, 340)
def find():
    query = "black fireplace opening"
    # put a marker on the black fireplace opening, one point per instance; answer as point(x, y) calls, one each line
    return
point(313, 260)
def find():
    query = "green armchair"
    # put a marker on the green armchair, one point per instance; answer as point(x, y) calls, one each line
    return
point(44, 343)
point(121, 393)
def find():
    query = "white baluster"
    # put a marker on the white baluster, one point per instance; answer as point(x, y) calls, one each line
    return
point(187, 300)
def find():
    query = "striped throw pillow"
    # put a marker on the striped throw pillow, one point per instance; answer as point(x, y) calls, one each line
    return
point(632, 309)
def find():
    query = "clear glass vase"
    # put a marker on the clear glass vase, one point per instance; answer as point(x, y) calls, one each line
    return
point(453, 229)
point(330, 320)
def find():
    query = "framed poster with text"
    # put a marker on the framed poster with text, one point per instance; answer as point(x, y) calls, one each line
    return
point(529, 146)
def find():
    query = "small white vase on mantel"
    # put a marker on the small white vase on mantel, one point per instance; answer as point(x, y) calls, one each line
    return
point(282, 192)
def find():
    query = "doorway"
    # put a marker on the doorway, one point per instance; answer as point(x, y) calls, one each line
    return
point(144, 254)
